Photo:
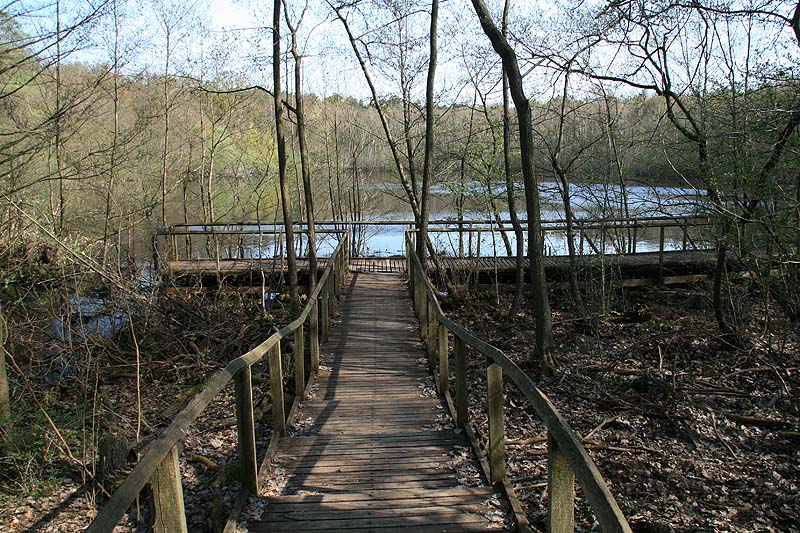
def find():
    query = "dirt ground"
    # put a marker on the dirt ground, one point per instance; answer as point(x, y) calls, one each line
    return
point(690, 434)
point(178, 355)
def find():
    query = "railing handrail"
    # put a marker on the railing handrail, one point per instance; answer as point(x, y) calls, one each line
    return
point(702, 219)
point(171, 231)
point(111, 513)
point(603, 504)
point(580, 225)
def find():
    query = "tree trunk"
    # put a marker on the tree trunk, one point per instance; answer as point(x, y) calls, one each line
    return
point(165, 150)
point(308, 194)
point(541, 302)
point(115, 138)
point(281, 142)
point(5, 396)
point(563, 178)
point(519, 266)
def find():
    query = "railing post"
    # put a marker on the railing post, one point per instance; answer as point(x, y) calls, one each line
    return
point(497, 445)
point(347, 253)
point(333, 277)
point(323, 311)
point(341, 273)
point(420, 300)
point(313, 331)
point(424, 315)
point(168, 509)
point(175, 246)
point(299, 363)
point(685, 232)
point(245, 425)
point(560, 489)
point(331, 299)
point(544, 246)
point(444, 377)
point(635, 236)
point(276, 388)
point(433, 337)
point(408, 263)
point(461, 381)
point(661, 254)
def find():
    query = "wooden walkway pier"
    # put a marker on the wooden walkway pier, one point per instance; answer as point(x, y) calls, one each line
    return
point(371, 446)
point(372, 450)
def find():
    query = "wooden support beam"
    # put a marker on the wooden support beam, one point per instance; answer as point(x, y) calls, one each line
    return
point(560, 490)
point(334, 284)
point(169, 515)
point(323, 313)
point(276, 388)
point(661, 254)
point(419, 299)
point(313, 331)
point(433, 336)
point(299, 363)
point(462, 391)
point(330, 285)
point(497, 444)
point(423, 316)
point(444, 375)
point(245, 425)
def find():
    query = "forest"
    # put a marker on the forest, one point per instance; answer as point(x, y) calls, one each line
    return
point(124, 121)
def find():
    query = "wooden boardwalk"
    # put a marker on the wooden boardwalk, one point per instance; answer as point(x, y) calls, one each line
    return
point(633, 265)
point(370, 449)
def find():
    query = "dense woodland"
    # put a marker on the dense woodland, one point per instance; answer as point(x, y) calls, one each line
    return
point(119, 118)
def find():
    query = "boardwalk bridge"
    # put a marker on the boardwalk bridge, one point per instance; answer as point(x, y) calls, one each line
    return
point(374, 451)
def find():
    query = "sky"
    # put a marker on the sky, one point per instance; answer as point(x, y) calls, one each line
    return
point(236, 39)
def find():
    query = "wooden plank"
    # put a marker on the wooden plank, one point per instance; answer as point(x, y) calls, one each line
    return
point(442, 513)
point(560, 490)
point(313, 329)
point(465, 528)
point(324, 319)
point(299, 362)
point(462, 392)
point(373, 460)
point(169, 515)
point(343, 454)
point(497, 451)
point(245, 425)
point(422, 519)
point(414, 467)
point(459, 492)
point(314, 506)
point(378, 440)
point(352, 483)
point(443, 350)
point(276, 390)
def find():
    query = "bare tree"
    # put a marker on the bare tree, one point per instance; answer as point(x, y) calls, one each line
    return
point(280, 138)
point(172, 18)
point(519, 267)
point(5, 396)
point(541, 302)
point(305, 164)
point(427, 169)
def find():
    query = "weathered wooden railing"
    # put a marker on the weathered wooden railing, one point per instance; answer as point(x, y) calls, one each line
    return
point(221, 242)
point(594, 236)
point(159, 466)
point(567, 459)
